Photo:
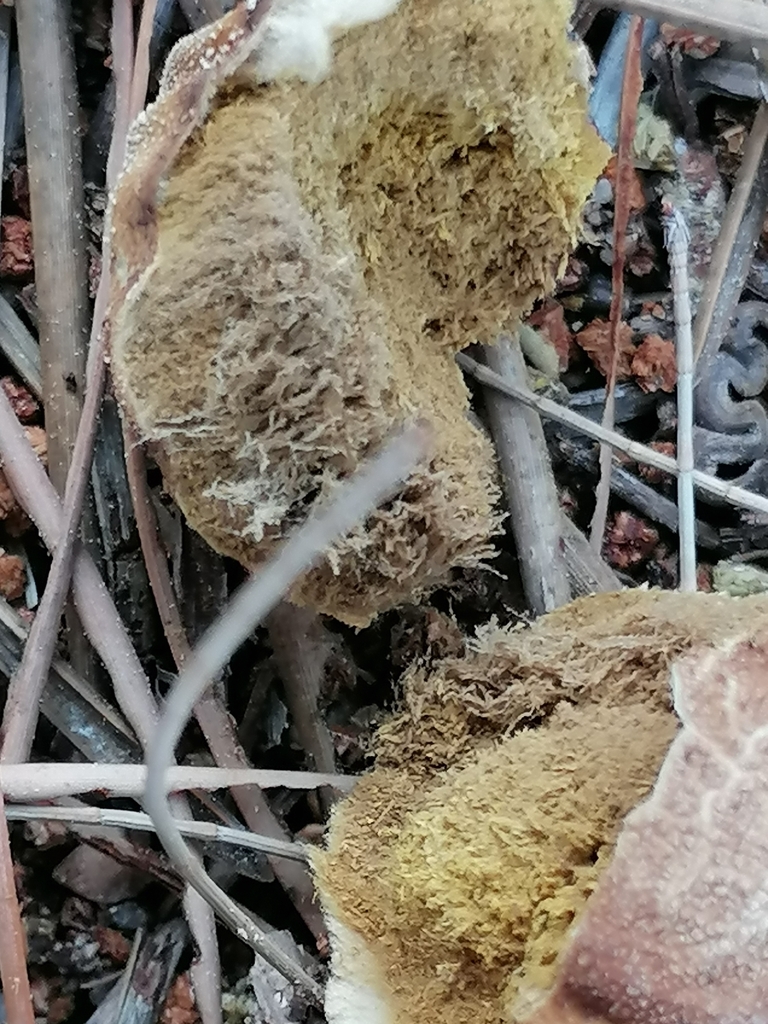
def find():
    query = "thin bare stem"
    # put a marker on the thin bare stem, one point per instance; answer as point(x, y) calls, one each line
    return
point(5, 50)
point(36, 495)
point(51, 115)
point(123, 61)
point(140, 79)
point(709, 327)
point(206, 968)
point(13, 947)
point(301, 647)
point(677, 246)
point(632, 85)
point(529, 485)
point(639, 452)
point(204, 830)
point(56, 199)
point(50, 780)
point(26, 686)
point(213, 719)
point(253, 601)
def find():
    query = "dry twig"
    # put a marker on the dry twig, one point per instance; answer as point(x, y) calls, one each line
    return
point(529, 485)
point(301, 647)
point(20, 348)
point(13, 946)
point(735, 246)
point(56, 199)
point(677, 245)
point(51, 114)
point(248, 607)
point(206, 830)
point(213, 719)
point(50, 780)
point(26, 686)
point(632, 85)
point(639, 452)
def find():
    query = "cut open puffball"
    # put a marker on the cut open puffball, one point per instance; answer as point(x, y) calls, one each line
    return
point(516, 855)
point(304, 259)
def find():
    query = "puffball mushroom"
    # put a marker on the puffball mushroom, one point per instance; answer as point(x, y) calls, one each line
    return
point(462, 867)
point(318, 252)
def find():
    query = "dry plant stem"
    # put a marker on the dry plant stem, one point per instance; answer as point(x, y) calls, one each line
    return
point(56, 197)
point(529, 485)
point(736, 20)
point(13, 947)
point(131, 89)
point(201, 12)
point(50, 780)
point(37, 497)
point(677, 246)
point(20, 348)
point(123, 60)
point(354, 501)
point(301, 647)
point(736, 242)
point(66, 688)
point(51, 117)
point(205, 970)
point(632, 86)
point(36, 494)
point(221, 737)
point(213, 719)
point(5, 47)
point(140, 80)
point(26, 686)
point(639, 452)
point(203, 830)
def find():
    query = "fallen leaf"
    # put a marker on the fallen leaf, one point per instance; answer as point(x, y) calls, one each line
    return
point(653, 364)
point(595, 340)
point(704, 578)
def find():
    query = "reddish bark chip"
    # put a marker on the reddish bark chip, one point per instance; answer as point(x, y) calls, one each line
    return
point(595, 340)
point(654, 364)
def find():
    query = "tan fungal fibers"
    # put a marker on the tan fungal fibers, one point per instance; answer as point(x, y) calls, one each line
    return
point(459, 864)
point(323, 251)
